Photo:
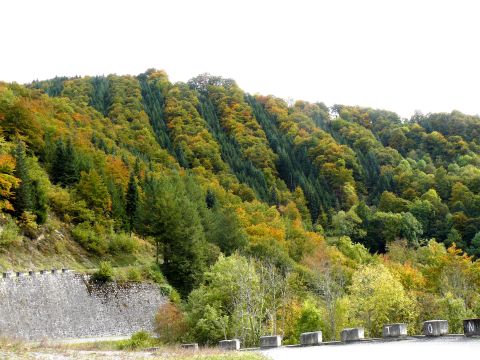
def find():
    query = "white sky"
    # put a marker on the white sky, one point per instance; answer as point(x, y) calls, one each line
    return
point(398, 55)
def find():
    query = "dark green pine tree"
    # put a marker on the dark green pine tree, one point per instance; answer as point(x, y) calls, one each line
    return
point(227, 232)
point(58, 163)
point(71, 171)
point(65, 165)
point(132, 199)
point(39, 202)
point(118, 206)
point(24, 195)
point(210, 199)
point(171, 218)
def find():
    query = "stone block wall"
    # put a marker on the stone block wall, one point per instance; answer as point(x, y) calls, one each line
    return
point(56, 305)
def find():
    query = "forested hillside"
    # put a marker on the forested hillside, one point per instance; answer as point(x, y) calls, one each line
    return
point(263, 217)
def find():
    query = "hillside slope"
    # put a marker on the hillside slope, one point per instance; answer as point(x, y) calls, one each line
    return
point(138, 170)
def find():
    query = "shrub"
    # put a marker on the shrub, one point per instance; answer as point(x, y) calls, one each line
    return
point(28, 222)
point(310, 318)
point(104, 273)
point(121, 243)
point(134, 274)
point(90, 239)
point(10, 234)
point(140, 339)
point(67, 208)
point(170, 323)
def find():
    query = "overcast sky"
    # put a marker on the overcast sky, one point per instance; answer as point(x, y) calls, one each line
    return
point(398, 55)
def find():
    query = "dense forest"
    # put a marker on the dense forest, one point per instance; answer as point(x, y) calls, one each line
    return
point(256, 216)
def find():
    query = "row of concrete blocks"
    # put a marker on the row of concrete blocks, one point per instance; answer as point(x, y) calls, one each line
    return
point(11, 274)
point(431, 328)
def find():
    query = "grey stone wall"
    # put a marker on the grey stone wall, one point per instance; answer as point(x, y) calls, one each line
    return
point(64, 305)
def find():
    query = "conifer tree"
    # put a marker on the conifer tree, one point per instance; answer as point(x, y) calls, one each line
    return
point(210, 199)
point(171, 218)
point(24, 194)
point(65, 165)
point(131, 202)
point(58, 164)
point(118, 206)
point(39, 202)
point(71, 171)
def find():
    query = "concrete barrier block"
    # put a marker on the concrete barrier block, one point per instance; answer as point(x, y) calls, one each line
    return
point(311, 338)
point(7, 274)
point(233, 344)
point(394, 330)
point(435, 327)
point(54, 271)
point(20, 274)
point(352, 334)
point(31, 273)
point(270, 341)
point(44, 272)
point(193, 346)
point(471, 327)
point(66, 271)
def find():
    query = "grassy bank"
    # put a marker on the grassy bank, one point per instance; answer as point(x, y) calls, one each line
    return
point(124, 349)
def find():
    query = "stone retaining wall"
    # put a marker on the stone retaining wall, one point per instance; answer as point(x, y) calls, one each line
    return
point(63, 304)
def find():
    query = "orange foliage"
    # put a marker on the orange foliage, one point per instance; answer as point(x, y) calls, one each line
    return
point(117, 170)
point(170, 323)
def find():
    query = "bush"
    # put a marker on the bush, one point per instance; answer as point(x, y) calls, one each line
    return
point(104, 273)
point(134, 274)
point(10, 234)
point(67, 208)
point(310, 319)
point(140, 339)
point(90, 239)
point(170, 323)
point(28, 222)
point(121, 243)
point(155, 274)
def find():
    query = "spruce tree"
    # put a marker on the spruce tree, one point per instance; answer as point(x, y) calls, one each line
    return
point(58, 164)
point(168, 215)
point(24, 195)
point(118, 206)
point(71, 173)
point(210, 199)
point(65, 165)
point(39, 202)
point(132, 202)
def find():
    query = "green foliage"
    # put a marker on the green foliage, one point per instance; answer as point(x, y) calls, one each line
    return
point(377, 298)
point(121, 243)
point(454, 310)
point(310, 319)
point(9, 234)
point(138, 340)
point(355, 251)
point(204, 170)
point(24, 196)
point(105, 273)
point(65, 169)
point(90, 238)
point(132, 200)
point(170, 216)
point(93, 190)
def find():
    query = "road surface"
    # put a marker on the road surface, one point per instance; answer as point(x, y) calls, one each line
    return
point(445, 348)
